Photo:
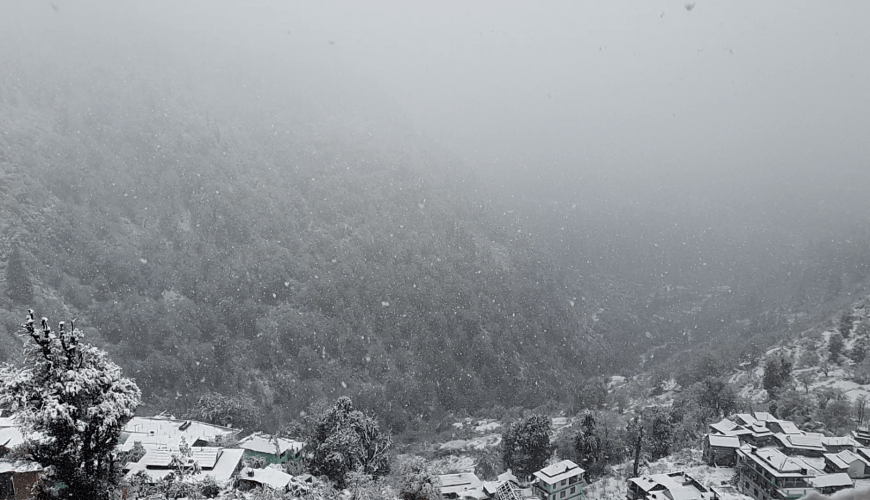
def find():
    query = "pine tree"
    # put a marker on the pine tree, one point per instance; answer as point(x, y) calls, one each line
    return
point(587, 445)
point(72, 403)
point(18, 285)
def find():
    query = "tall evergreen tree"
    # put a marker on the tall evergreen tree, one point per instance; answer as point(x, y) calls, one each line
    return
point(18, 285)
point(72, 403)
point(526, 445)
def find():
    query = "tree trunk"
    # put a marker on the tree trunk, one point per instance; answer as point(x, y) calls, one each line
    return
point(637, 449)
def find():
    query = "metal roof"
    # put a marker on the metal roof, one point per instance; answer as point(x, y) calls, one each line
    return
point(778, 463)
point(18, 466)
point(559, 471)
point(845, 459)
point(157, 458)
point(228, 460)
point(724, 426)
point(804, 441)
point(268, 476)
point(263, 443)
point(789, 427)
point(206, 457)
point(456, 483)
point(828, 480)
point(723, 441)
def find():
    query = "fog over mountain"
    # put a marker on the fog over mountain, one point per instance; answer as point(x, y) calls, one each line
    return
point(578, 181)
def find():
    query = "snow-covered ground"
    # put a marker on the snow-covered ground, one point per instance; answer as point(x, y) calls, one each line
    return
point(615, 486)
point(475, 443)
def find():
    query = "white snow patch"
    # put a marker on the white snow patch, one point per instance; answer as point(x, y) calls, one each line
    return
point(478, 443)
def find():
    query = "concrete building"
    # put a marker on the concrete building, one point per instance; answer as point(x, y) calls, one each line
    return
point(560, 481)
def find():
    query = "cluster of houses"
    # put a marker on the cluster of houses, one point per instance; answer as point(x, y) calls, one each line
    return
point(564, 481)
point(774, 460)
point(211, 451)
point(560, 481)
point(203, 451)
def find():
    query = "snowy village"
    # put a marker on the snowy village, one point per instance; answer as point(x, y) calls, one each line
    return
point(752, 456)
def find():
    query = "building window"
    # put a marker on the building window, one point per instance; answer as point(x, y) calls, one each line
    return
point(573, 489)
point(563, 482)
point(562, 495)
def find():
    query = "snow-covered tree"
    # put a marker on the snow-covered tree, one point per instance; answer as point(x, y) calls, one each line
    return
point(72, 403)
point(525, 445)
point(345, 439)
point(417, 481)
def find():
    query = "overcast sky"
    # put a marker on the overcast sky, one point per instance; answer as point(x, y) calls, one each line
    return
point(561, 97)
point(635, 89)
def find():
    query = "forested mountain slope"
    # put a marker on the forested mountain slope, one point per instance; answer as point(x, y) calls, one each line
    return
point(288, 257)
point(246, 214)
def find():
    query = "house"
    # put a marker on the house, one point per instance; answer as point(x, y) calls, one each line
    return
point(727, 427)
point(783, 427)
point(831, 483)
point(670, 486)
point(849, 462)
point(17, 479)
point(253, 478)
point(560, 481)
point(769, 474)
point(759, 426)
point(272, 450)
point(721, 450)
point(724, 427)
point(218, 463)
point(162, 432)
point(806, 445)
point(756, 418)
point(462, 485)
point(862, 436)
point(838, 444)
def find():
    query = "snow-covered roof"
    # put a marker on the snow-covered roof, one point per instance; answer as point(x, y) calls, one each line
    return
point(646, 483)
point(845, 459)
point(263, 443)
point(724, 426)
point(156, 432)
point(10, 437)
point(835, 441)
point(227, 461)
point(674, 486)
point(152, 442)
point(746, 418)
point(18, 466)
point(801, 441)
point(778, 463)
point(723, 441)
point(268, 476)
point(559, 471)
point(507, 476)
point(829, 480)
point(788, 427)
point(458, 483)
point(685, 493)
point(206, 457)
